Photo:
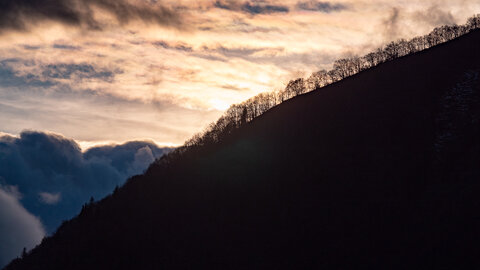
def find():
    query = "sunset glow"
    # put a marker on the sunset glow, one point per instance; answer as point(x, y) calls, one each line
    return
point(113, 79)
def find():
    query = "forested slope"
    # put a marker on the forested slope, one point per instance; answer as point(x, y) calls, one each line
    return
point(378, 170)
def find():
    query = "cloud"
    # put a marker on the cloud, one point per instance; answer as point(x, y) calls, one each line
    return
point(143, 157)
point(80, 71)
point(55, 177)
point(18, 227)
point(263, 9)
point(128, 158)
point(435, 16)
point(398, 22)
point(179, 46)
point(210, 57)
point(237, 52)
point(221, 53)
point(30, 47)
point(270, 55)
point(250, 7)
point(22, 14)
point(233, 87)
point(325, 7)
point(9, 77)
point(241, 26)
point(391, 23)
point(65, 47)
point(23, 73)
point(49, 198)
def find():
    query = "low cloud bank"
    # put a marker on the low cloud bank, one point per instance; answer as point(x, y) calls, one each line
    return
point(47, 175)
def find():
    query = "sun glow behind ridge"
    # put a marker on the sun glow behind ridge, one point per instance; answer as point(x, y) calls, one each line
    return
point(168, 80)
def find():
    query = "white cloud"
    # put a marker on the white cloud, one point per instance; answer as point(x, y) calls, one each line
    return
point(49, 198)
point(18, 227)
point(143, 157)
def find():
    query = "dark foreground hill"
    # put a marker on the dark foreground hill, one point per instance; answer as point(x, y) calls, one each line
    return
point(380, 170)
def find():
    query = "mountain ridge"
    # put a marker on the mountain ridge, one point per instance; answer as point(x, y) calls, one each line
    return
point(346, 176)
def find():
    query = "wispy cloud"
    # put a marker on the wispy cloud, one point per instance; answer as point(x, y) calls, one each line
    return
point(79, 71)
point(251, 7)
point(391, 23)
point(9, 77)
point(435, 16)
point(16, 72)
point(49, 198)
point(65, 47)
point(178, 46)
point(23, 14)
point(320, 6)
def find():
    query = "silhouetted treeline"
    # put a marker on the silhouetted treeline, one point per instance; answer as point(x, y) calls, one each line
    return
point(239, 114)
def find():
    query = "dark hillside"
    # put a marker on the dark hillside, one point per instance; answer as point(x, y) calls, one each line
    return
point(379, 170)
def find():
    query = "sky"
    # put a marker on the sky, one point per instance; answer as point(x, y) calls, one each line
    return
point(101, 71)
point(90, 90)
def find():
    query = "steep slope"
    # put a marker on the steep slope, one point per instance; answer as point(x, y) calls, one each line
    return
point(379, 170)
